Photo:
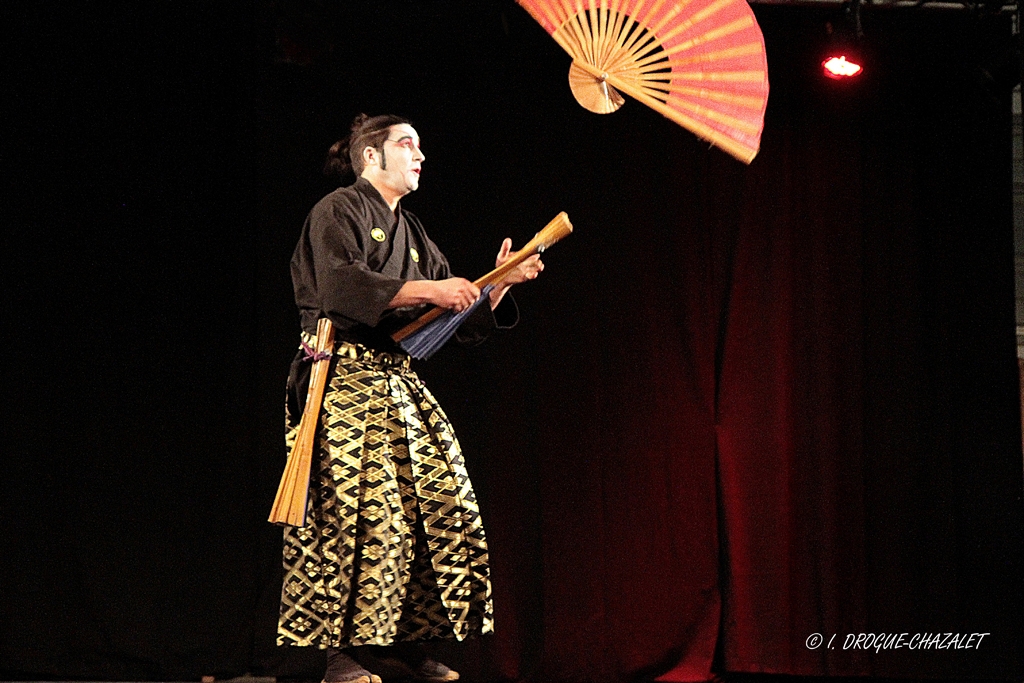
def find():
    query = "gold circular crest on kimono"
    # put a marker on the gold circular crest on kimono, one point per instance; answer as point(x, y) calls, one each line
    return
point(378, 234)
point(415, 254)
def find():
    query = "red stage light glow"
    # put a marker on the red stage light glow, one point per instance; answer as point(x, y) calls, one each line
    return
point(839, 67)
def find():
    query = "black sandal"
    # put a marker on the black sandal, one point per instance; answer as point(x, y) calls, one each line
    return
point(430, 671)
point(409, 662)
point(343, 669)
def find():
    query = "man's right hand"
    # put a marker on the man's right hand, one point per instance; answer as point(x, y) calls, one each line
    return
point(455, 293)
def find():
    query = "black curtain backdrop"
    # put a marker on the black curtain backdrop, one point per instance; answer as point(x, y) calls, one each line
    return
point(745, 404)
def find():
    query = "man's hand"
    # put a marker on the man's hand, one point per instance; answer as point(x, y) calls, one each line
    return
point(455, 293)
point(527, 270)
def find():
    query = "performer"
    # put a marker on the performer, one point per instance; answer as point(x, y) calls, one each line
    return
point(393, 553)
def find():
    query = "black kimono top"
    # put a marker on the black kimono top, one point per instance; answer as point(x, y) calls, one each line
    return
point(354, 255)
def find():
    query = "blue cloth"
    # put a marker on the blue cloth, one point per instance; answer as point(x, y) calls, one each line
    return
point(425, 342)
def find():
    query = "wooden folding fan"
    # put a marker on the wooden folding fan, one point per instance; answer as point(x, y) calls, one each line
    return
point(293, 491)
point(424, 336)
point(701, 63)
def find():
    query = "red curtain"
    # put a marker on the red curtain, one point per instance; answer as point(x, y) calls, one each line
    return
point(789, 403)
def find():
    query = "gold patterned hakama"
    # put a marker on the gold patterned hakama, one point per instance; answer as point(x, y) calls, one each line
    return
point(394, 548)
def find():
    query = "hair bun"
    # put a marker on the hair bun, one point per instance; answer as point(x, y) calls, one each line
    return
point(357, 123)
point(337, 165)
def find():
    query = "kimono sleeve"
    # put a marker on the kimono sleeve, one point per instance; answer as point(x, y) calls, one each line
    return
point(479, 325)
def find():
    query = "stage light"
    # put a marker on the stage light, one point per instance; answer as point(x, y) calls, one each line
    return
point(842, 57)
point(839, 67)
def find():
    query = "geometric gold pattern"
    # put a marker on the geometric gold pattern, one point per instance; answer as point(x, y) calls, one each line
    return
point(394, 548)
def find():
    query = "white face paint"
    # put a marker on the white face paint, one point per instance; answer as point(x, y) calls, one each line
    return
point(402, 160)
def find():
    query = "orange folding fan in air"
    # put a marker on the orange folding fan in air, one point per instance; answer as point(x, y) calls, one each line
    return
point(701, 63)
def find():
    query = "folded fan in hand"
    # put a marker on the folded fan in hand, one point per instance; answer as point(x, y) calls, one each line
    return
point(701, 63)
point(428, 333)
point(428, 340)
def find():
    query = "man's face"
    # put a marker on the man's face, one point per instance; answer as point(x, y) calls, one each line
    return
point(402, 159)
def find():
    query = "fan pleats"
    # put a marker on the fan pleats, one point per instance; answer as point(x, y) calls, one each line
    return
point(700, 63)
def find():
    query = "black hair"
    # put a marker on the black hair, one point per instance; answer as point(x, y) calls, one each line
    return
point(346, 155)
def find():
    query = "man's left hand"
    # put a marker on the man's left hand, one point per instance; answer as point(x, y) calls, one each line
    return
point(527, 270)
